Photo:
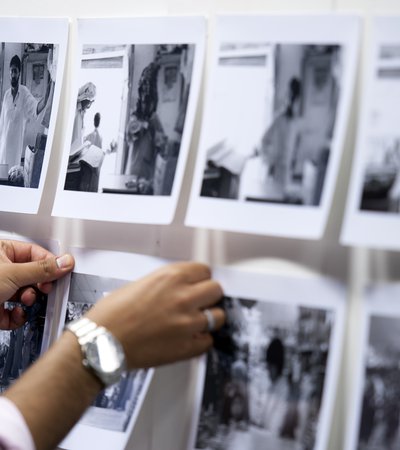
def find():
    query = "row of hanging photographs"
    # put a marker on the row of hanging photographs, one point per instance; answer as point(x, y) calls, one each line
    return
point(270, 380)
point(277, 106)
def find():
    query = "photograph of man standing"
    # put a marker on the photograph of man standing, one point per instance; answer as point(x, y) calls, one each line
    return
point(18, 106)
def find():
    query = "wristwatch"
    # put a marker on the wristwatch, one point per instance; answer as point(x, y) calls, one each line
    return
point(102, 353)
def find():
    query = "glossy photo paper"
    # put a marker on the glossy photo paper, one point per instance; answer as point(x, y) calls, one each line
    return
point(109, 421)
point(21, 347)
point(274, 123)
point(270, 380)
point(131, 118)
point(32, 58)
point(374, 414)
point(373, 207)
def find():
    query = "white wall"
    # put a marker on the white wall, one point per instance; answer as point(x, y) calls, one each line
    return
point(163, 423)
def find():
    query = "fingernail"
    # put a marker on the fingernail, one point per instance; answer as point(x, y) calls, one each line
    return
point(64, 261)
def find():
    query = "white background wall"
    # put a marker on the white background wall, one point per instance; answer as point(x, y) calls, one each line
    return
point(163, 423)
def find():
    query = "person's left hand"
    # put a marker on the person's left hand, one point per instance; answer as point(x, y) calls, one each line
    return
point(26, 268)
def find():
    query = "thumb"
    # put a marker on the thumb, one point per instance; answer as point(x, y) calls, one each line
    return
point(42, 271)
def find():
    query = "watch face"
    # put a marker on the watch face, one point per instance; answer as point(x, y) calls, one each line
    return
point(105, 354)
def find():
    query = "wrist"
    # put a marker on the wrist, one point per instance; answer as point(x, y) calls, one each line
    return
point(56, 403)
point(87, 378)
point(102, 354)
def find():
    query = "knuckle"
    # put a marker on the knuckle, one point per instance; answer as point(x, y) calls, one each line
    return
point(184, 299)
point(5, 247)
point(46, 266)
point(172, 272)
point(185, 322)
point(218, 288)
point(206, 270)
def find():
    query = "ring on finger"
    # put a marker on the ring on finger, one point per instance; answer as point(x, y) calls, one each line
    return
point(210, 320)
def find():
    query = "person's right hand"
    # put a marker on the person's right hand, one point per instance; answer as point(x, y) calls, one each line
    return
point(159, 319)
point(26, 268)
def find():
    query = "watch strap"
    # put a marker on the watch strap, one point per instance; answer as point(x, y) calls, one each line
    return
point(87, 332)
point(85, 329)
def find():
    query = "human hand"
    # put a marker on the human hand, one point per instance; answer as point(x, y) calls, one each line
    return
point(159, 319)
point(145, 186)
point(24, 269)
point(112, 148)
point(16, 176)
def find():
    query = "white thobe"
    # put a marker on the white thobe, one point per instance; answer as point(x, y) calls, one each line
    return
point(13, 118)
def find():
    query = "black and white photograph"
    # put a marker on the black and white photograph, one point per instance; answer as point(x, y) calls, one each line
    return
point(114, 406)
point(272, 130)
point(381, 185)
point(265, 377)
point(27, 89)
point(30, 83)
point(374, 413)
point(380, 409)
point(21, 347)
point(280, 152)
point(146, 107)
point(270, 379)
point(131, 112)
point(110, 421)
point(373, 205)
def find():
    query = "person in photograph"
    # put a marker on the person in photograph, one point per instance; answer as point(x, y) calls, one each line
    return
point(85, 99)
point(280, 138)
point(381, 183)
point(18, 106)
point(394, 191)
point(368, 414)
point(144, 132)
point(275, 407)
point(391, 410)
point(235, 410)
point(157, 320)
point(86, 158)
point(94, 137)
point(223, 170)
point(240, 377)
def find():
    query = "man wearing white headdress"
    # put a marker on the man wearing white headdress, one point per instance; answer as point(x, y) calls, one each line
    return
point(18, 106)
point(86, 96)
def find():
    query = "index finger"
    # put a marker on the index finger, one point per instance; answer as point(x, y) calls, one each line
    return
point(191, 272)
point(205, 294)
point(21, 252)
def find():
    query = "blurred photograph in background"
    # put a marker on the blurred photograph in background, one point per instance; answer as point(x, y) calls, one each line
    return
point(380, 412)
point(265, 376)
point(271, 140)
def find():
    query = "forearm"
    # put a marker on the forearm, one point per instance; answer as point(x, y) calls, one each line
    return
point(40, 106)
point(54, 392)
point(42, 103)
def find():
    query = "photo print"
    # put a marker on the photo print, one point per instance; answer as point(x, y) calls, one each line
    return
point(21, 347)
point(375, 412)
point(269, 363)
point(132, 116)
point(109, 422)
point(380, 412)
point(271, 147)
point(31, 69)
point(152, 82)
point(268, 381)
point(113, 407)
point(372, 213)
point(298, 91)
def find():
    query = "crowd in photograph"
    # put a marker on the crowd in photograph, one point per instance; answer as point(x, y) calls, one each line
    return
point(271, 377)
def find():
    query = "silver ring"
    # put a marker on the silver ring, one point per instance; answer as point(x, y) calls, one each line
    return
point(210, 320)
